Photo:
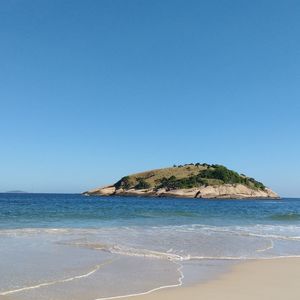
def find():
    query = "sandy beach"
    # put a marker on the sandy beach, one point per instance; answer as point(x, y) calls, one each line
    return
point(232, 255)
point(274, 279)
point(262, 279)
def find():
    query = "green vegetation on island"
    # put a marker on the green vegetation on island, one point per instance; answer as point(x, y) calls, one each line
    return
point(185, 177)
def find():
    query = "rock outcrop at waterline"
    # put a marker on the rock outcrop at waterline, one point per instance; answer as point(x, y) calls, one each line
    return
point(188, 181)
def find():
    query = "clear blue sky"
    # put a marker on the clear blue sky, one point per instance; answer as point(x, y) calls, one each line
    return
point(93, 90)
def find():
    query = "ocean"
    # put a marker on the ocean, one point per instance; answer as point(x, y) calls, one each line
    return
point(70, 246)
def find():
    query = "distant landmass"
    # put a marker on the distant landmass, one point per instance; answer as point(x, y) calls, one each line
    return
point(188, 181)
point(16, 192)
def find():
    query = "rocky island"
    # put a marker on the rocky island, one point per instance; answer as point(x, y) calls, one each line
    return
point(188, 181)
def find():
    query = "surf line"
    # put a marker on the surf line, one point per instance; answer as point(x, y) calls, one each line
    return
point(267, 248)
point(180, 282)
point(59, 281)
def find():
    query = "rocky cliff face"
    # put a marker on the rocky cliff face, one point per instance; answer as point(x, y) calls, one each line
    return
point(226, 191)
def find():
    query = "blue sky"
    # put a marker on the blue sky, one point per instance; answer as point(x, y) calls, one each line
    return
point(93, 90)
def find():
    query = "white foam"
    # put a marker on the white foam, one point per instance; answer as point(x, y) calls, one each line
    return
point(271, 246)
point(57, 281)
point(180, 282)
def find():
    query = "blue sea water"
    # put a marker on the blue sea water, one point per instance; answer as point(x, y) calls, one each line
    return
point(69, 246)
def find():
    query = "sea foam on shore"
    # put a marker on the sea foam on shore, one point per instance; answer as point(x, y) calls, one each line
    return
point(60, 247)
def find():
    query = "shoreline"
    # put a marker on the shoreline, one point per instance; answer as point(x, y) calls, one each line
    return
point(179, 196)
point(50, 255)
point(271, 279)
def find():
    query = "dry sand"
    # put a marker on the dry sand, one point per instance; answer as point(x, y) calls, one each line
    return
point(276, 279)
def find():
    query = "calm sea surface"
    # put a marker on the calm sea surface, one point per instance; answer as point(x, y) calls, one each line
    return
point(63, 246)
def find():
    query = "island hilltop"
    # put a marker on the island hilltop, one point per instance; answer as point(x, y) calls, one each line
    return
point(188, 181)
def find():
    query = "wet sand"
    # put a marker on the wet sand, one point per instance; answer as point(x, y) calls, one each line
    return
point(262, 279)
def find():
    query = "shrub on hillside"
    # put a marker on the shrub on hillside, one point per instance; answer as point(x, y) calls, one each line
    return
point(142, 184)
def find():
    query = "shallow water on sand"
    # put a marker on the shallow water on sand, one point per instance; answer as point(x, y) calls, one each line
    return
point(76, 247)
